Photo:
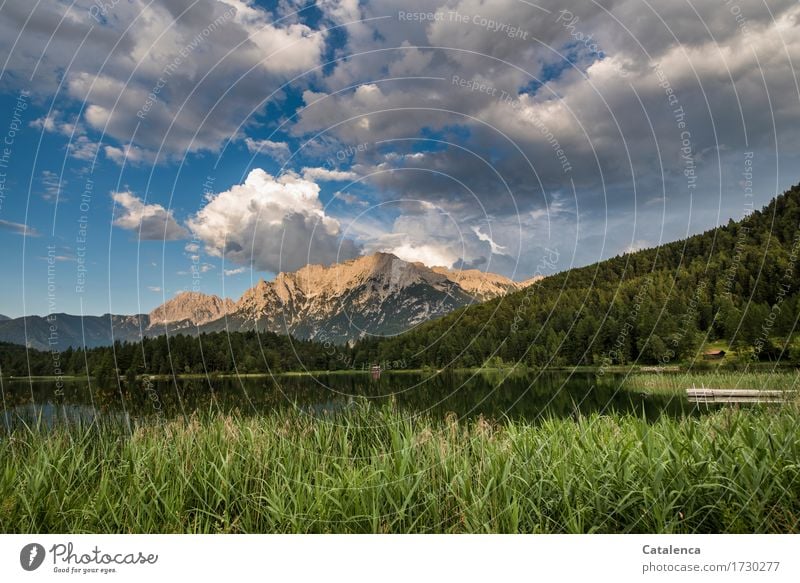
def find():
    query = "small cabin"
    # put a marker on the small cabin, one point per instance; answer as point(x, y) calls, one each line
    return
point(713, 354)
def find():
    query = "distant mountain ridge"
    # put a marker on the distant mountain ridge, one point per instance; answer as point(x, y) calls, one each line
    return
point(379, 294)
point(190, 309)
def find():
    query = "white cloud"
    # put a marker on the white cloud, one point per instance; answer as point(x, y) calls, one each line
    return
point(273, 224)
point(129, 154)
point(53, 185)
point(637, 245)
point(151, 221)
point(278, 150)
point(430, 255)
point(61, 258)
point(496, 249)
point(154, 288)
point(82, 148)
point(235, 271)
point(423, 232)
point(54, 123)
point(19, 228)
point(348, 198)
point(326, 174)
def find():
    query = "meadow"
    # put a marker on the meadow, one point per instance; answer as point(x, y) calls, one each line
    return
point(375, 469)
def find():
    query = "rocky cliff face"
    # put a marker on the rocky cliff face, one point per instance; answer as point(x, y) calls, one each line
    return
point(377, 294)
point(481, 285)
point(191, 309)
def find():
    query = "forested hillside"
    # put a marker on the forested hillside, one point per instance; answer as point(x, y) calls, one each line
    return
point(737, 283)
point(243, 352)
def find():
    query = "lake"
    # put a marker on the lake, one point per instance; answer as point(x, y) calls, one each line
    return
point(494, 396)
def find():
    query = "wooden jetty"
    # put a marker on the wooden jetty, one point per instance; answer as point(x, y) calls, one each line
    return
point(704, 395)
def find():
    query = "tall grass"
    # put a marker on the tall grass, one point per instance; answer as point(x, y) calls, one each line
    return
point(374, 470)
point(678, 382)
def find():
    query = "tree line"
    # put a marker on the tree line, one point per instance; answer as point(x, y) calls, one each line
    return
point(218, 352)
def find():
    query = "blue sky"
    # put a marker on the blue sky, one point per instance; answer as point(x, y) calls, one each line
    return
point(202, 145)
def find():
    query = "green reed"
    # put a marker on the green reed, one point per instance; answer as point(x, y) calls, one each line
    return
point(375, 469)
point(678, 382)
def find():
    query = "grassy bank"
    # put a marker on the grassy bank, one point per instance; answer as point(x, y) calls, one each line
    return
point(677, 383)
point(371, 470)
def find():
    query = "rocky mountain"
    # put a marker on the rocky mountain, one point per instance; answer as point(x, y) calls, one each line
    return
point(378, 294)
point(190, 309)
point(484, 286)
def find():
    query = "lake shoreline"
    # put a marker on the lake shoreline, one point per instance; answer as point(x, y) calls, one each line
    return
point(600, 370)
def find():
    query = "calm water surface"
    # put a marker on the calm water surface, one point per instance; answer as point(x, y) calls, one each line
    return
point(495, 396)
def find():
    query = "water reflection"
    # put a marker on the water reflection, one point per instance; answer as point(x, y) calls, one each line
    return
point(530, 397)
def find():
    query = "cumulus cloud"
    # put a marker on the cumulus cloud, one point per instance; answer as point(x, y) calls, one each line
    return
point(430, 234)
point(430, 255)
point(326, 174)
point(129, 154)
point(277, 150)
point(151, 221)
point(54, 122)
point(79, 146)
point(83, 148)
point(171, 76)
point(272, 224)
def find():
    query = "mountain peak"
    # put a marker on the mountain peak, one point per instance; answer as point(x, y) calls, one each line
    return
point(483, 285)
point(378, 293)
point(314, 279)
point(191, 306)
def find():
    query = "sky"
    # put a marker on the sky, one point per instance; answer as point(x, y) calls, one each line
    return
point(150, 148)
